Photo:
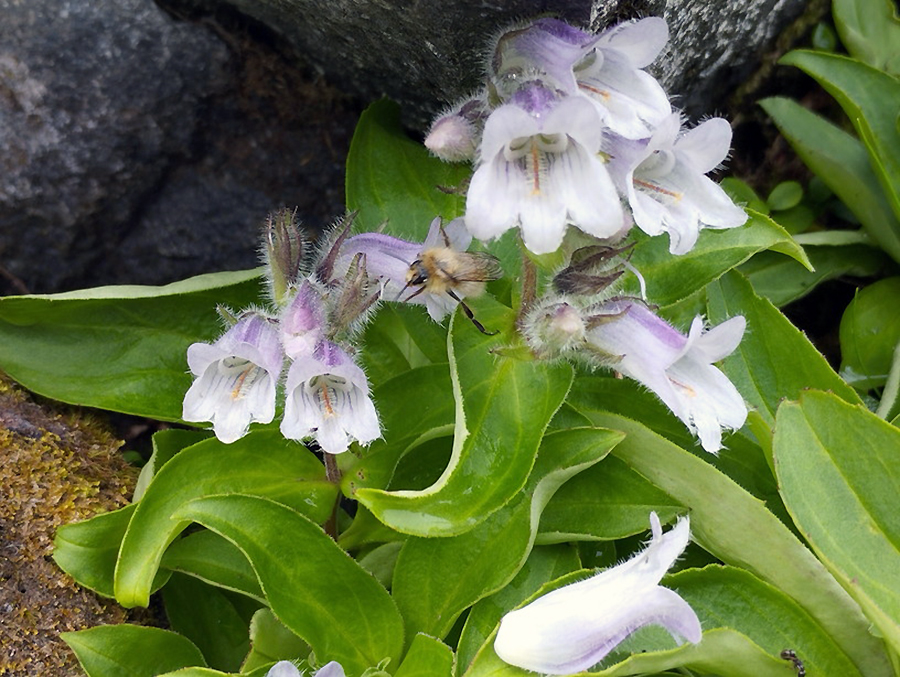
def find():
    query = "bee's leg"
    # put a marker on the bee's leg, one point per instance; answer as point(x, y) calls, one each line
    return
point(471, 315)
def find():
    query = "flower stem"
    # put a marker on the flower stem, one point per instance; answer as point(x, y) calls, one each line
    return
point(333, 475)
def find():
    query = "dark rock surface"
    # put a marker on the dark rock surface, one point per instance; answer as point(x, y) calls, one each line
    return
point(428, 54)
point(135, 147)
point(143, 143)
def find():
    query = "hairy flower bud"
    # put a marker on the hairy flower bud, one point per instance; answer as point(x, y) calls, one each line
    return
point(283, 250)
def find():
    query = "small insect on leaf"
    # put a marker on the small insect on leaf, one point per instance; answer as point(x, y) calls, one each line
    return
point(791, 655)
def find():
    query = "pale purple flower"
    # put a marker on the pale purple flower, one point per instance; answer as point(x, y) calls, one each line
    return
point(327, 395)
point(606, 69)
point(388, 259)
point(678, 368)
point(574, 627)
point(303, 321)
point(236, 377)
point(610, 75)
point(288, 669)
point(664, 179)
point(539, 169)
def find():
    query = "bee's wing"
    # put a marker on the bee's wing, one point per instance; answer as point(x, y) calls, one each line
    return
point(478, 267)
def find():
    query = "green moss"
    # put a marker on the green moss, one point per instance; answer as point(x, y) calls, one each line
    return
point(57, 465)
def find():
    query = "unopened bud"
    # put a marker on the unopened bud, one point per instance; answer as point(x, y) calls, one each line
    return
point(356, 298)
point(455, 135)
point(554, 328)
point(283, 249)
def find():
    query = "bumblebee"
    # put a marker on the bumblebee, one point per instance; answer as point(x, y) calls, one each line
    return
point(443, 270)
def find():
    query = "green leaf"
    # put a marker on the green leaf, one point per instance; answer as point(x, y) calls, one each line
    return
point(606, 502)
point(738, 529)
point(544, 563)
point(427, 657)
point(270, 641)
point(785, 195)
point(871, 99)
point(262, 463)
point(390, 177)
point(842, 162)
point(53, 344)
point(133, 650)
point(402, 337)
point(498, 397)
point(214, 560)
point(206, 617)
point(774, 360)
point(312, 585)
point(839, 469)
point(727, 597)
point(87, 550)
point(166, 443)
point(870, 330)
point(436, 579)
point(673, 278)
point(405, 424)
point(782, 280)
point(870, 30)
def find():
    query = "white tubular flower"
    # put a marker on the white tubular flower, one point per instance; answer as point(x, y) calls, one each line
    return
point(539, 168)
point(327, 395)
point(236, 378)
point(389, 259)
point(575, 627)
point(665, 183)
point(632, 102)
point(678, 368)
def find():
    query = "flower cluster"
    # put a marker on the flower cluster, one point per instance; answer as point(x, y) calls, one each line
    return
point(582, 319)
point(320, 305)
point(574, 627)
point(569, 127)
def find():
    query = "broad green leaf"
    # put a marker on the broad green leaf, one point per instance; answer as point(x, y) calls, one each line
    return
point(133, 650)
point(206, 617)
point(544, 563)
point(380, 561)
point(870, 330)
point(727, 597)
point(166, 443)
point(209, 672)
point(436, 579)
point(117, 348)
point(390, 177)
point(261, 463)
point(738, 529)
point(503, 406)
point(402, 337)
point(87, 550)
point(605, 502)
point(270, 641)
point(742, 460)
point(214, 560)
point(673, 278)
point(405, 423)
point(842, 162)
point(312, 585)
point(839, 470)
point(774, 360)
point(782, 280)
point(871, 99)
point(366, 530)
point(870, 30)
point(427, 657)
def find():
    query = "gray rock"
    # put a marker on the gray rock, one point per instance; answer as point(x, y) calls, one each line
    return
point(84, 138)
point(429, 54)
